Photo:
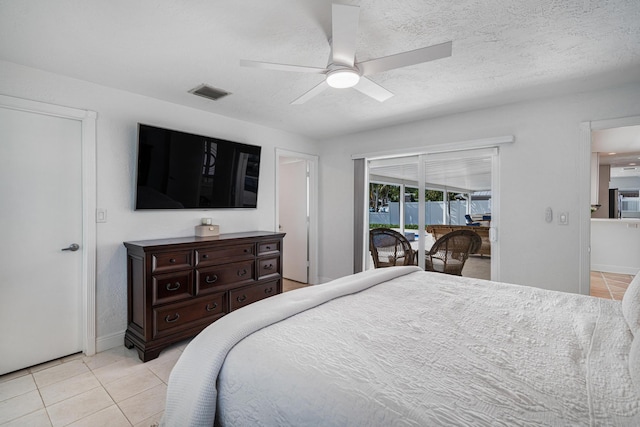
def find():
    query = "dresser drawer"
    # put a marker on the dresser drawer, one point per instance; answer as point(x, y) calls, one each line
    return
point(268, 267)
point(168, 261)
point(268, 247)
point(210, 278)
point(172, 287)
point(244, 296)
point(178, 316)
point(224, 255)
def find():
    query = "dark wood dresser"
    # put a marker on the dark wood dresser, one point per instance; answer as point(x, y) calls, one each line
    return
point(177, 287)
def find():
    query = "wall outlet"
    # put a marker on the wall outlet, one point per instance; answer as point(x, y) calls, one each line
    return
point(548, 215)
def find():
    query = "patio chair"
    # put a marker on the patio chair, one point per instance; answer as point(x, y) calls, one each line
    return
point(449, 253)
point(390, 248)
point(470, 221)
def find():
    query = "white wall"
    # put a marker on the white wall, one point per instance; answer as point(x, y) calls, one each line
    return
point(539, 170)
point(118, 115)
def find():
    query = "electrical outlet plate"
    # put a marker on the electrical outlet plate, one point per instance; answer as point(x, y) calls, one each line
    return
point(548, 215)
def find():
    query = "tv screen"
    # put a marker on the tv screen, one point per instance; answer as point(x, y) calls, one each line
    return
point(178, 170)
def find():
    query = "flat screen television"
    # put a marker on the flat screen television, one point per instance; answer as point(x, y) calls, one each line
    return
point(178, 170)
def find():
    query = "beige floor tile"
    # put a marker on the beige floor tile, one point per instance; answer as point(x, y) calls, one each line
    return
point(163, 370)
point(13, 375)
point(111, 416)
point(131, 385)
point(34, 419)
point(617, 295)
point(183, 344)
point(144, 405)
point(45, 365)
point(20, 406)
point(122, 368)
point(59, 373)
point(78, 407)
point(70, 387)
point(601, 293)
point(109, 357)
point(151, 421)
point(16, 387)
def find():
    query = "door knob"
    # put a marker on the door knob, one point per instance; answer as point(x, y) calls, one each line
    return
point(72, 247)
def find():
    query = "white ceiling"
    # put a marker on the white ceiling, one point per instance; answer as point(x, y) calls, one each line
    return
point(458, 173)
point(503, 51)
point(619, 148)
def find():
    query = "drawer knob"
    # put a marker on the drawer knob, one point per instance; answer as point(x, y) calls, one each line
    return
point(211, 279)
point(172, 260)
point(268, 290)
point(246, 250)
point(268, 247)
point(173, 287)
point(205, 256)
point(168, 318)
point(268, 266)
point(242, 298)
point(242, 272)
point(211, 307)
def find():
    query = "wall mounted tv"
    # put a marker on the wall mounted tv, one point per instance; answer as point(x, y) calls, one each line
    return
point(178, 170)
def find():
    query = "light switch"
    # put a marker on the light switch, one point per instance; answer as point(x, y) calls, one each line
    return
point(563, 218)
point(101, 215)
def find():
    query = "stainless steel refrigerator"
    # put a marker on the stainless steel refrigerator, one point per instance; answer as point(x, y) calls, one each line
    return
point(614, 203)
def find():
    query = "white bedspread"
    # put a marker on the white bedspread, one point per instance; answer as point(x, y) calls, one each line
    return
point(420, 350)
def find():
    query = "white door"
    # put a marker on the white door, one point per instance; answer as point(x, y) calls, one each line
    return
point(293, 215)
point(41, 213)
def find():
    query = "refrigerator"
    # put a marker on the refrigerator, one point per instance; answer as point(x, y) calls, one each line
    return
point(614, 203)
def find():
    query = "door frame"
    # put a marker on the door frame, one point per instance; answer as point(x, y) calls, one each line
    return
point(313, 205)
point(361, 237)
point(87, 119)
point(584, 192)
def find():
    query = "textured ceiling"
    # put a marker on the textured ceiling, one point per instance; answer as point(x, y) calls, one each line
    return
point(503, 51)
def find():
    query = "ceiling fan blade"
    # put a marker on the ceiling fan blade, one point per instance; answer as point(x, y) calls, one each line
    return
point(374, 90)
point(344, 33)
point(310, 94)
point(281, 67)
point(405, 59)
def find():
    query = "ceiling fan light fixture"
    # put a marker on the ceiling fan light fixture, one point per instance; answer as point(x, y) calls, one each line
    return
point(343, 78)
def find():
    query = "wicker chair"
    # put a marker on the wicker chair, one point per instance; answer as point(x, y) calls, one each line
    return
point(390, 248)
point(449, 253)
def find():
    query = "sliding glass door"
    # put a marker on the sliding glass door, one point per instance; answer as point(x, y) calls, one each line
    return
point(422, 196)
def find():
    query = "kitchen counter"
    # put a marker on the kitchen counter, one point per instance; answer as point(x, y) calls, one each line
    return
point(615, 245)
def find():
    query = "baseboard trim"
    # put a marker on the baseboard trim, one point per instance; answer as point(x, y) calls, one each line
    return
point(615, 269)
point(109, 341)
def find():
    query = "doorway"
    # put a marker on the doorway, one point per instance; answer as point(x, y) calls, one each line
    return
point(48, 238)
point(296, 214)
point(611, 258)
point(434, 192)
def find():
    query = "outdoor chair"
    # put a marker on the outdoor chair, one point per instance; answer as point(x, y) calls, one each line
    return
point(449, 253)
point(390, 248)
point(470, 221)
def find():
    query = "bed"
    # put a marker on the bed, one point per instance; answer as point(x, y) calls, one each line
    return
point(404, 347)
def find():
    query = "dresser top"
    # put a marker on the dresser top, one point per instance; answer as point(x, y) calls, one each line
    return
point(196, 239)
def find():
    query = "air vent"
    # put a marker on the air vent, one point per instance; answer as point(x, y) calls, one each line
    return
point(209, 92)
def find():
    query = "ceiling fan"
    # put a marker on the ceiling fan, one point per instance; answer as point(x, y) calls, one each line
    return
point(343, 71)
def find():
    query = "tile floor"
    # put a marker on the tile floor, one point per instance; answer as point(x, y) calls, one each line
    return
point(111, 389)
point(609, 285)
point(114, 388)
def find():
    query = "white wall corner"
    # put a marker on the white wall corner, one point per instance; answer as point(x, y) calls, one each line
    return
point(110, 341)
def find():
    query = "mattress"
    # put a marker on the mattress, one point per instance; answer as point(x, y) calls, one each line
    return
point(410, 348)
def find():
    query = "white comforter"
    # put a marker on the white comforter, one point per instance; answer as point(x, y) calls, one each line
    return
point(420, 350)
